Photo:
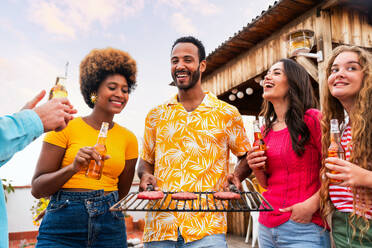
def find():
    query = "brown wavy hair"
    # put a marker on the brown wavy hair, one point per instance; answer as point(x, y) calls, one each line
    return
point(361, 129)
point(101, 63)
point(301, 98)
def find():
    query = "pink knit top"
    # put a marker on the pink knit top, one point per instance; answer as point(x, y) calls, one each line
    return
point(292, 179)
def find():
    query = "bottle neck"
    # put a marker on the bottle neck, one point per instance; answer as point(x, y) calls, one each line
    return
point(257, 135)
point(256, 126)
point(101, 139)
point(103, 131)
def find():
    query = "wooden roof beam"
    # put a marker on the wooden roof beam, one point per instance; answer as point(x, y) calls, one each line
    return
point(309, 66)
point(330, 3)
point(243, 42)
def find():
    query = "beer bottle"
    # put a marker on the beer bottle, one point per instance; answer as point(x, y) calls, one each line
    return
point(335, 149)
point(58, 90)
point(258, 139)
point(95, 169)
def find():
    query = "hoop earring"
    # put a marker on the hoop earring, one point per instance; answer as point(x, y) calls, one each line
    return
point(93, 98)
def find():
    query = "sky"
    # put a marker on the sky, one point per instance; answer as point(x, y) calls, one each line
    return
point(38, 37)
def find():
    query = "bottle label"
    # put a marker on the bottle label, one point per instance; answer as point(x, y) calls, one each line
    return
point(334, 129)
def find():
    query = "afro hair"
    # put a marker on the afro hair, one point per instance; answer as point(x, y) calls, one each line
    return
point(101, 63)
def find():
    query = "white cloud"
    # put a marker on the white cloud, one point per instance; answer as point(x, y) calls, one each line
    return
point(122, 38)
point(132, 7)
point(9, 28)
point(203, 7)
point(50, 17)
point(115, 37)
point(255, 9)
point(65, 18)
point(183, 25)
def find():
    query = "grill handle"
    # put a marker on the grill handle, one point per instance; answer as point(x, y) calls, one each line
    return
point(150, 187)
point(233, 188)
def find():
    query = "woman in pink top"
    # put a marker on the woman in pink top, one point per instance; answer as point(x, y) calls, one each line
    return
point(289, 169)
point(349, 202)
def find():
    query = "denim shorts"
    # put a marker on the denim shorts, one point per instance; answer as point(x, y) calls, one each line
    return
point(211, 241)
point(82, 219)
point(293, 235)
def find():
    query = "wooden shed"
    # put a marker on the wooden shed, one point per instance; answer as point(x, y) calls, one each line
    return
point(239, 64)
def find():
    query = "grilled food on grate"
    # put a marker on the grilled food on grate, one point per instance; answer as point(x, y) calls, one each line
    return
point(184, 196)
point(226, 195)
point(150, 195)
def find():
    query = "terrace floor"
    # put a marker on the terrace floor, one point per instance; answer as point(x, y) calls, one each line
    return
point(234, 241)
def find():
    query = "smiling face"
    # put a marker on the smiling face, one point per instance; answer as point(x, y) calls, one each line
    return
point(185, 67)
point(346, 77)
point(275, 83)
point(113, 94)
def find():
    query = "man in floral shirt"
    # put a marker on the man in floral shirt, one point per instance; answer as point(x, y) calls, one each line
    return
point(186, 147)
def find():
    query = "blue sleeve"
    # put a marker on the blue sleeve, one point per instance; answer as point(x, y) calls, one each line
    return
point(17, 131)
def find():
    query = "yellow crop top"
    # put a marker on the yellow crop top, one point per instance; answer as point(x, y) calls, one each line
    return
point(121, 145)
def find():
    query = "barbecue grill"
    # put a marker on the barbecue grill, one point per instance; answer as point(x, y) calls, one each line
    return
point(205, 202)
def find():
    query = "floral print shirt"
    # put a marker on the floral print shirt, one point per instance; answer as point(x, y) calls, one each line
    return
point(190, 152)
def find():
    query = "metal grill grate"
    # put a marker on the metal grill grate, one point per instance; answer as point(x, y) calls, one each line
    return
point(206, 202)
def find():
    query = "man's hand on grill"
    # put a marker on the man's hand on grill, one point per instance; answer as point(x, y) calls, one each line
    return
point(148, 179)
point(232, 179)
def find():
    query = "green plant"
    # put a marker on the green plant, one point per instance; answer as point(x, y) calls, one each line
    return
point(24, 244)
point(7, 186)
point(38, 210)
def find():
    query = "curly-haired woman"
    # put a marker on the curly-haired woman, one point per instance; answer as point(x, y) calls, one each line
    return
point(292, 160)
point(78, 214)
point(348, 203)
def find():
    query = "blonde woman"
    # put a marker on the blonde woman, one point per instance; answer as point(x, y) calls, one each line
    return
point(349, 202)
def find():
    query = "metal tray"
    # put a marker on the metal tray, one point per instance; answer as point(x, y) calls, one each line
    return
point(249, 201)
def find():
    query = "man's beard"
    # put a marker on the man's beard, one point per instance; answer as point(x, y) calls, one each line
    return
point(194, 78)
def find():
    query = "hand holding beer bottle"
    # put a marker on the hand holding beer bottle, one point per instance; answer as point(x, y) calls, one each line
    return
point(258, 139)
point(95, 168)
point(335, 148)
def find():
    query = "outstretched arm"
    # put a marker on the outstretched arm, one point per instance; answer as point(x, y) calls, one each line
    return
point(54, 114)
point(17, 131)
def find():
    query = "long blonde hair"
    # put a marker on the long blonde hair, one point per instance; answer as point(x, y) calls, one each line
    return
point(361, 129)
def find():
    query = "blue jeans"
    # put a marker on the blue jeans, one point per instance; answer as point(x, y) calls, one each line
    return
point(293, 235)
point(82, 219)
point(215, 241)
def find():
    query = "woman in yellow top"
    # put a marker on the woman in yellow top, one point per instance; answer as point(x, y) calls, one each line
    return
point(78, 213)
